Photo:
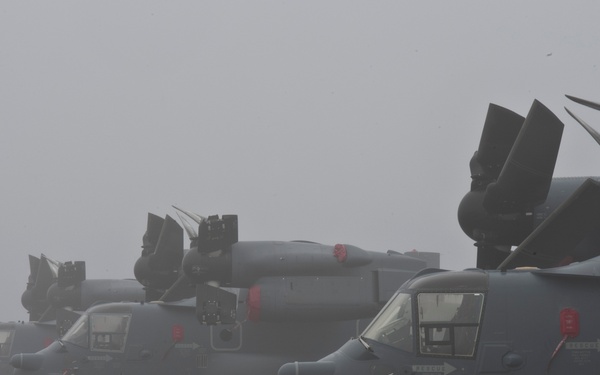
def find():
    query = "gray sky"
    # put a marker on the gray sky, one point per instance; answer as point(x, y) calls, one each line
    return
point(336, 122)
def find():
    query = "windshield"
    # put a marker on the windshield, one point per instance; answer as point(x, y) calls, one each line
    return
point(6, 337)
point(393, 325)
point(449, 323)
point(78, 333)
point(104, 332)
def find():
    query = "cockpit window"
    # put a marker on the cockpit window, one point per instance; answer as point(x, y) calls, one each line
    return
point(104, 332)
point(6, 337)
point(393, 326)
point(109, 332)
point(78, 333)
point(449, 323)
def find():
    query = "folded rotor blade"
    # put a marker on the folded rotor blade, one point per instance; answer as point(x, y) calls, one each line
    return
point(500, 131)
point(526, 176)
point(587, 103)
point(191, 232)
point(558, 240)
point(48, 314)
point(153, 229)
point(490, 256)
point(34, 265)
point(46, 276)
point(169, 247)
point(589, 129)
point(197, 218)
point(181, 288)
point(29, 300)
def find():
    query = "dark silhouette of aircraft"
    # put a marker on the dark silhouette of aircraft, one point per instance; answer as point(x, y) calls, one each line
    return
point(512, 189)
point(257, 305)
point(524, 320)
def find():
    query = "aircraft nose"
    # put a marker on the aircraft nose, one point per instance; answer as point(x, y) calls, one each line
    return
point(27, 361)
point(307, 368)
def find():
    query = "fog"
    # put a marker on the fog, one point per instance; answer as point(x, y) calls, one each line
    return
point(336, 122)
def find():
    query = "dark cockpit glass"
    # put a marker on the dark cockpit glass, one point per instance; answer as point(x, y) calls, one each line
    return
point(103, 332)
point(6, 338)
point(393, 326)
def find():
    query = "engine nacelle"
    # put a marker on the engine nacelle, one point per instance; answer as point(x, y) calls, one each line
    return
point(306, 298)
point(89, 292)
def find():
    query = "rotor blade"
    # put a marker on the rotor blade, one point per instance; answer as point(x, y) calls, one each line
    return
point(153, 228)
point(587, 103)
point(490, 256)
point(34, 266)
point(181, 288)
point(525, 179)
point(500, 131)
point(169, 247)
point(191, 232)
point(48, 314)
point(558, 239)
point(46, 276)
point(197, 218)
point(589, 129)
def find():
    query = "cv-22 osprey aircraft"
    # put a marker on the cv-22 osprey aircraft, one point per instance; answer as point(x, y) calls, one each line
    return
point(526, 320)
point(479, 322)
point(55, 293)
point(289, 299)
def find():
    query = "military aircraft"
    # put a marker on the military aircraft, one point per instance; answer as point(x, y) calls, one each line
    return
point(292, 280)
point(55, 293)
point(290, 299)
point(512, 189)
point(476, 321)
point(520, 321)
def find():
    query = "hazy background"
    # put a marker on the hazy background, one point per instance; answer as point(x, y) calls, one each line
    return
point(331, 121)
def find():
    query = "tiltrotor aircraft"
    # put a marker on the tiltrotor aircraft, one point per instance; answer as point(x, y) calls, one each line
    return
point(512, 189)
point(506, 321)
point(54, 295)
point(290, 299)
point(57, 293)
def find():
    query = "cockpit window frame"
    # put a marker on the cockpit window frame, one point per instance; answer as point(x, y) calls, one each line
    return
point(452, 327)
point(83, 328)
point(5, 349)
point(95, 335)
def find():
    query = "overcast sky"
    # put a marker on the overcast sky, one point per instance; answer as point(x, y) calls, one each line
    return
point(331, 121)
